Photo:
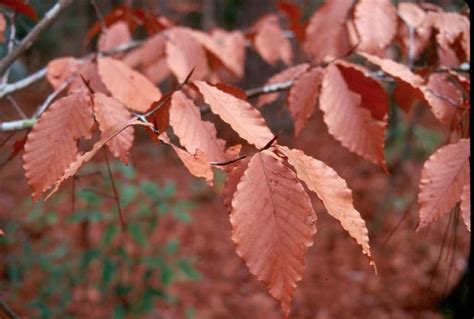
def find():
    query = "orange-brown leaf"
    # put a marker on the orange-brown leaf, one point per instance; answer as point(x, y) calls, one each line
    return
point(273, 224)
point(376, 23)
point(197, 164)
point(184, 53)
point(239, 114)
point(289, 74)
point(192, 131)
point(61, 69)
point(358, 80)
point(117, 34)
point(51, 145)
point(109, 112)
point(466, 203)
point(303, 97)
point(231, 182)
point(327, 36)
point(442, 179)
point(347, 121)
point(333, 192)
point(83, 158)
point(269, 33)
point(131, 88)
point(89, 73)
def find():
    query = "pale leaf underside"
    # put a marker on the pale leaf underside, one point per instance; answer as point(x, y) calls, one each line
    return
point(442, 179)
point(273, 224)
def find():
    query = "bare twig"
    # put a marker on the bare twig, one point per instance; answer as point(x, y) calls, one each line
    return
point(271, 88)
point(116, 195)
point(51, 97)
point(99, 15)
point(28, 41)
point(11, 43)
point(16, 106)
point(23, 83)
point(7, 310)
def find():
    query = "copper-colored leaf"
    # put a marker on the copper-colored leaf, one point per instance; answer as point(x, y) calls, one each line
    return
point(232, 180)
point(466, 202)
point(21, 7)
point(444, 98)
point(442, 179)
point(376, 23)
point(184, 53)
point(415, 36)
point(358, 80)
point(197, 164)
point(228, 47)
point(83, 158)
point(115, 35)
point(109, 112)
point(89, 73)
point(51, 145)
point(268, 34)
point(407, 80)
point(192, 131)
point(131, 88)
point(411, 14)
point(3, 27)
point(61, 69)
point(303, 97)
point(239, 114)
point(333, 192)
point(273, 224)
point(327, 36)
point(347, 121)
point(289, 74)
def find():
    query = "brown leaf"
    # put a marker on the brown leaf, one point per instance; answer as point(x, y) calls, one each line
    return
point(88, 72)
point(3, 27)
point(184, 53)
point(442, 179)
point(410, 82)
point(289, 74)
point(227, 47)
point(192, 131)
point(347, 121)
point(411, 14)
point(117, 34)
point(376, 23)
point(333, 192)
point(358, 80)
point(303, 97)
point(197, 164)
point(443, 97)
point(109, 112)
point(61, 69)
point(231, 181)
point(466, 202)
point(416, 40)
point(239, 114)
point(83, 158)
point(51, 145)
point(273, 225)
point(131, 88)
point(327, 36)
point(268, 34)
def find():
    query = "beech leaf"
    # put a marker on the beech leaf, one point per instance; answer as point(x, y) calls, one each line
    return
point(109, 112)
point(51, 145)
point(232, 180)
point(61, 69)
point(348, 122)
point(466, 203)
point(192, 131)
point(197, 163)
point(268, 34)
point(239, 114)
point(131, 88)
point(442, 179)
point(115, 35)
point(273, 224)
point(333, 191)
point(303, 97)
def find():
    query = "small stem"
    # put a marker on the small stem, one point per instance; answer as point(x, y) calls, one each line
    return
point(116, 195)
point(7, 310)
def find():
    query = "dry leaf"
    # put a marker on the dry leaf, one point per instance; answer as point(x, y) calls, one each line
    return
point(466, 203)
point(303, 97)
point(197, 164)
point(347, 121)
point(231, 182)
point(114, 36)
point(239, 114)
point(61, 69)
point(269, 33)
point(131, 88)
point(333, 192)
point(51, 145)
point(273, 224)
point(109, 112)
point(442, 179)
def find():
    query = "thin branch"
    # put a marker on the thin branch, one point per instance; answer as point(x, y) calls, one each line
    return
point(99, 15)
point(7, 310)
point(23, 83)
point(16, 106)
point(11, 43)
point(271, 88)
point(116, 195)
point(31, 37)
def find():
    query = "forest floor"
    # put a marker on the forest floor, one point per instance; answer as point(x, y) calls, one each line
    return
point(338, 281)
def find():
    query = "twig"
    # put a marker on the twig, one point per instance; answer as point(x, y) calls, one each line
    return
point(271, 88)
point(31, 37)
point(116, 195)
point(23, 83)
point(51, 97)
point(99, 15)
point(7, 310)
point(11, 44)
point(16, 106)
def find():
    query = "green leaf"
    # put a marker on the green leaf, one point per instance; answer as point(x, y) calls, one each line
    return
point(182, 216)
point(172, 246)
point(128, 194)
point(169, 191)
point(150, 189)
point(108, 271)
point(185, 265)
point(137, 234)
point(87, 257)
point(89, 197)
point(109, 234)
